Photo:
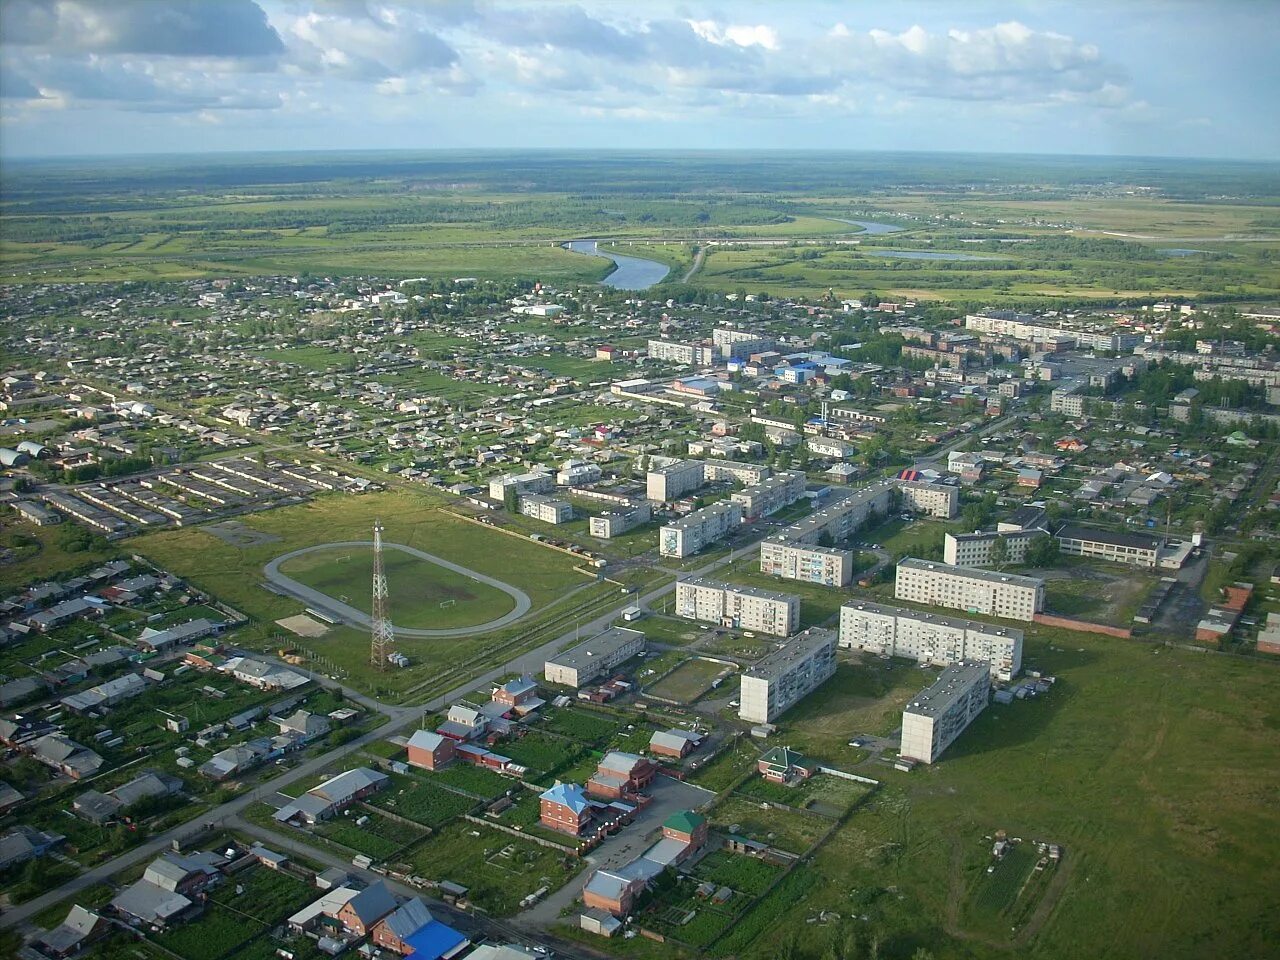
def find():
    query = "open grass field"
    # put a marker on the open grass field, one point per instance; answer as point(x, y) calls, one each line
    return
point(426, 594)
point(760, 820)
point(687, 682)
point(1165, 829)
point(234, 574)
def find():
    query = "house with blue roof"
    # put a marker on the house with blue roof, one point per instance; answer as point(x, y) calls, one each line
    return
point(411, 930)
point(566, 808)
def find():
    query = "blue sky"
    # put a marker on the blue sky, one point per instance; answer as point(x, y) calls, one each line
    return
point(1037, 76)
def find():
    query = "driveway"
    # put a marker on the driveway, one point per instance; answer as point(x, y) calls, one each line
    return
point(669, 796)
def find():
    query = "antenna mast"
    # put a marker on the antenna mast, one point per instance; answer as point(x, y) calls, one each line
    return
point(384, 635)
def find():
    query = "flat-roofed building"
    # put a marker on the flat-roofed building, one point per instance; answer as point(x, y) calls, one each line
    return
point(783, 678)
point(977, 549)
point(739, 343)
point(746, 473)
point(687, 354)
point(688, 535)
point(535, 482)
point(969, 588)
point(617, 522)
point(1136, 549)
point(732, 605)
point(673, 480)
point(805, 562)
point(934, 499)
point(544, 508)
point(771, 494)
point(941, 711)
point(586, 661)
point(929, 637)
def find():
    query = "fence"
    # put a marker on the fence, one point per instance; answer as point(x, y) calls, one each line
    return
point(1084, 626)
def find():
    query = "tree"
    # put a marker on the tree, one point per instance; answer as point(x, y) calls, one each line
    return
point(511, 498)
point(999, 553)
point(1042, 552)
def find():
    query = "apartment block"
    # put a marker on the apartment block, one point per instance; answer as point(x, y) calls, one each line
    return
point(687, 354)
point(586, 661)
point(941, 712)
point(674, 480)
point(806, 562)
point(795, 553)
point(747, 473)
point(536, 482)
point(618, 522)
point(744, 608)
point(890, 631)
point(771, 494)
point(688, 535)
point(933, 499)
point(546, 509)
point(975, 549)
point(970, 589)
point(783, 678)
point(731, 343)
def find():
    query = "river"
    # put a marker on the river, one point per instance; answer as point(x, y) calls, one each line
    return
point(632, 273)
point(869, 227)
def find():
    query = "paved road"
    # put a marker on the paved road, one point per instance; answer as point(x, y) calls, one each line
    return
point(401, 718)
point(358, 618)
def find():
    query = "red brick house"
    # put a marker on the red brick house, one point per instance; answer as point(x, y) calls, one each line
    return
point(688, 827)
point(366, 908)
point(621, 774)
point(429, 750)
point(565, 808)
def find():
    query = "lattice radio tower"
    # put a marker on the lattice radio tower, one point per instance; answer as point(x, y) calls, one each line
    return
point(384, 635)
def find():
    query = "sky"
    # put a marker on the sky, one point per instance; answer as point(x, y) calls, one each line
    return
point(1127, 77)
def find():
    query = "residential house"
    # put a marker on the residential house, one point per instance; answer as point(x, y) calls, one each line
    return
point(565, 808)
point(621, 775)
point(430, 750)
point(80, 929)
point(786, 766)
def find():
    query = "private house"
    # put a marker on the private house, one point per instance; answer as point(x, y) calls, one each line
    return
point(464, 723)
point(614, 891)
point(520, 695)
point(24, 843)
point(611, 891)
point(233, 760)
point(263, 675)
point(565, 808)
point(358, 915)
point(102, 807)
point(306, 726)
point(687, 827)
point(621, 775)
point(332, 796)
point(430, 750)
point(786, 766)
point(411, 930)
point(66, 756)
point(81, 928)
point(167, 889)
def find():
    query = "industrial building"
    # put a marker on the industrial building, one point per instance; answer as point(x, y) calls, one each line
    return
point(586, 661)
point(929, 637)
point(786, 676)
point(744, 608)
point(673, 480)
point(771, 494)
point(970, 589)
point(939, 713)
point(688, 535)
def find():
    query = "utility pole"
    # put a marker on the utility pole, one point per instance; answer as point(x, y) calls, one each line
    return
point(384, 636)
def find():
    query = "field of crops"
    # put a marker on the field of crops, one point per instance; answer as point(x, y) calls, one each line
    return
point(793, 832)
point(593, 729)
point(738, 872)
point(423, 802)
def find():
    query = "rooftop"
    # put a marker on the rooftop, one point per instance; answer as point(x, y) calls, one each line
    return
point(800, 648)
point(959, 623)
point(602, 645)
point(952, 684)
point(969, 573)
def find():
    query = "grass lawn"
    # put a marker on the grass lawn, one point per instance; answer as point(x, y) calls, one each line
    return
point(499, 869)
point(825, 794)
point(542, 753)
point(690, 680)
point(379, 836)
point(744, 874)
point(586, 726)
point(794, 832)
point(424, 594)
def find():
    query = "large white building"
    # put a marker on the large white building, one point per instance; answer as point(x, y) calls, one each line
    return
point(687, 354)
point(536, 482)
point(808, 563)
point(688, 535)
point(586, 661)
point(673, 480)
point(933, 499)
point(747, 473)
point(929, 637)
point(796, 554)
point(546, 509)
point(975, 549)
point(618, 522)
point(1136, 549)
point(940, 712)
point(731, 605)
point(739, 343)
point(779, 681)
point(970, 589)
point(771, 494)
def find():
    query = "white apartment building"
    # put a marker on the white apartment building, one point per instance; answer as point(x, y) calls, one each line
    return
point(941, 712)
point(974, 549)
point(618, 522)
point(591, 659)
point(970, 589)
point(536, 482)
point(687, 354)
point(747, 473)
point(806, 562)
point(929, 637)
point(1068, 400)
point(831, 447)
point(577, 473)
point(674, 480)
point(744, 608)
point(688, 535)
point(739, 343)
point(771, 494)
point(546, 509)
point(933, 499)
point(779, 681)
